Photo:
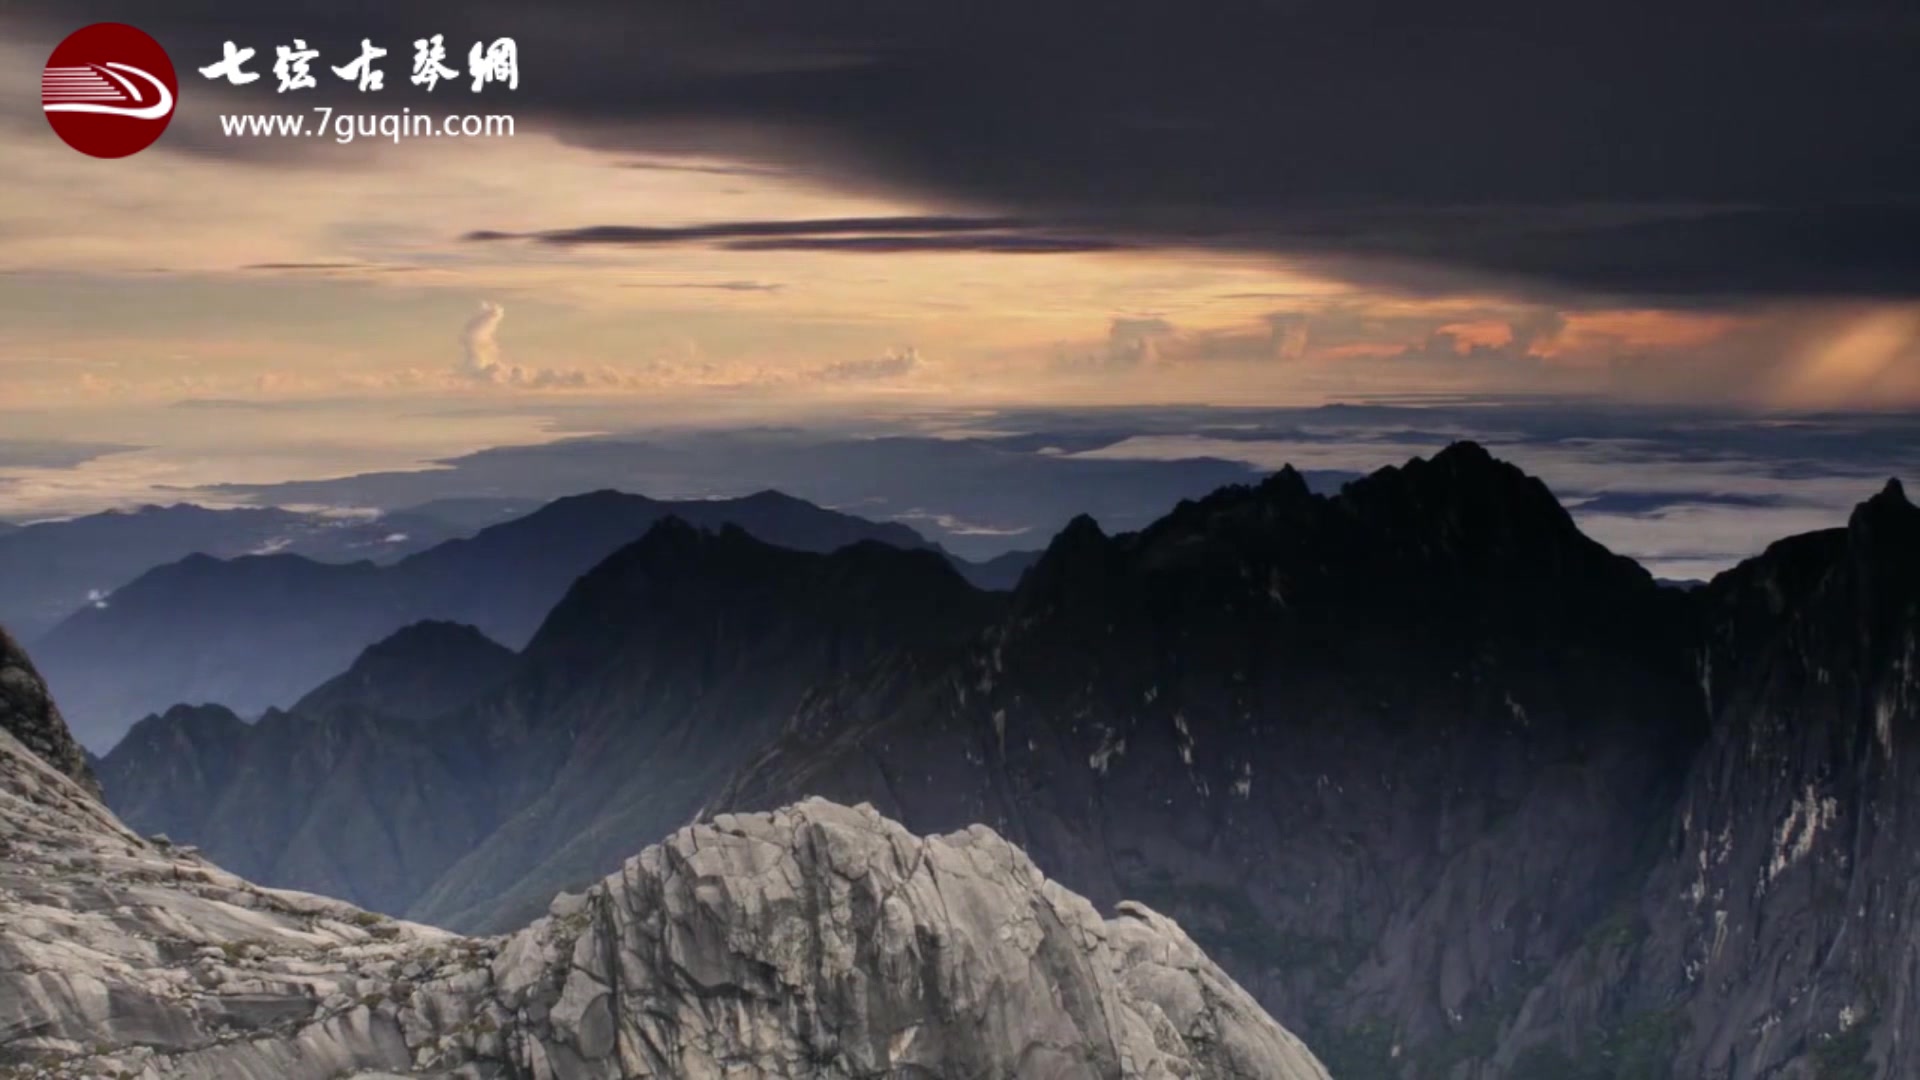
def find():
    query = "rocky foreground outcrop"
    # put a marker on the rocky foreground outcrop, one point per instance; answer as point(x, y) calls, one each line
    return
point(816, 941)
point(28, 714)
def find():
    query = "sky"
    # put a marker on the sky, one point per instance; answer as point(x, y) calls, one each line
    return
point(748, 212)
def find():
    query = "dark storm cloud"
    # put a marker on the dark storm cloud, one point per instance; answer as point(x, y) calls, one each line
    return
point(731, 230)
point(704, 170)
point(1685, 150)
point(872, 236)
point(992, 243)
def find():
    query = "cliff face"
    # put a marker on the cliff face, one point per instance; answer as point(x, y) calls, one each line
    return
point(818, 941)
point(1454, 792)
point(1779, 933)
point(1390, 756)
point(27, 712)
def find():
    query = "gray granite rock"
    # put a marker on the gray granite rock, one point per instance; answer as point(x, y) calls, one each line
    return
point(816, 941)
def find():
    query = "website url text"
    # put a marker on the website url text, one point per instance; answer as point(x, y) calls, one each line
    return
point(344, 128)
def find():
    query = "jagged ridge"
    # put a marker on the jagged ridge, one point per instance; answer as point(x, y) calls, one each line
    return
point(819, 942)
point(1449, 786)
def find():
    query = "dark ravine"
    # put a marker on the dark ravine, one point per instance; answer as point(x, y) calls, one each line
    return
point(1454, 791)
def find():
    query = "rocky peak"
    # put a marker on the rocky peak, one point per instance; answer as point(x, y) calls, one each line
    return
point(817, 940)
point(1464, 508)
point(1287, 485)
point(27, 712)
point(423, 670)
point(1077, 562)
point(1457, 531)
point(1884, 533)
point(678, 575)
point(199, 723)
point(432, 636)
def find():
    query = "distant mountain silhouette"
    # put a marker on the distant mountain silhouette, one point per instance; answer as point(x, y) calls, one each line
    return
point(422, 671)
point(345, 790)
point(656, 675)
point(52, 569)
point(257, 631)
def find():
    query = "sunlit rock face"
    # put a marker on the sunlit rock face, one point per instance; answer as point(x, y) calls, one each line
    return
point(816, 941)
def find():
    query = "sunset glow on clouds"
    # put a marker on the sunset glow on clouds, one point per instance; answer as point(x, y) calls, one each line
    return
point(309, 278)
point(705, 251)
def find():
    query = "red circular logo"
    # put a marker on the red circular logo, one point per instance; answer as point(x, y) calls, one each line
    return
point(108, 90)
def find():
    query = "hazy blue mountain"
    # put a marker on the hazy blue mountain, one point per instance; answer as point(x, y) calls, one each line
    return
point(442, 773)
point(257, 631)
point(470, 515)
point(346, 792)
point(660, 673)
point(978, 497)
point(422, 671)
point(52, 569)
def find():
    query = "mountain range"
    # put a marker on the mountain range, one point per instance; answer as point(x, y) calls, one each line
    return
point(1452, 789)
point(258, 631)
point(818, 941)
point(50, 569)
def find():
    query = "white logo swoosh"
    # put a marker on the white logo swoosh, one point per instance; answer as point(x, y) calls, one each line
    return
point(154, 111)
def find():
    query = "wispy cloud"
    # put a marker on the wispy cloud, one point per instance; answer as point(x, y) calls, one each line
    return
point(892, 365)
point(873, 235)
point(983, 243)
point(712, 286)
point(729, 230)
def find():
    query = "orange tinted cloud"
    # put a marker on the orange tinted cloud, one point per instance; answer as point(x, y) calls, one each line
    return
point(1478, 333)
point(1363, 350)
point(1610, 331)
